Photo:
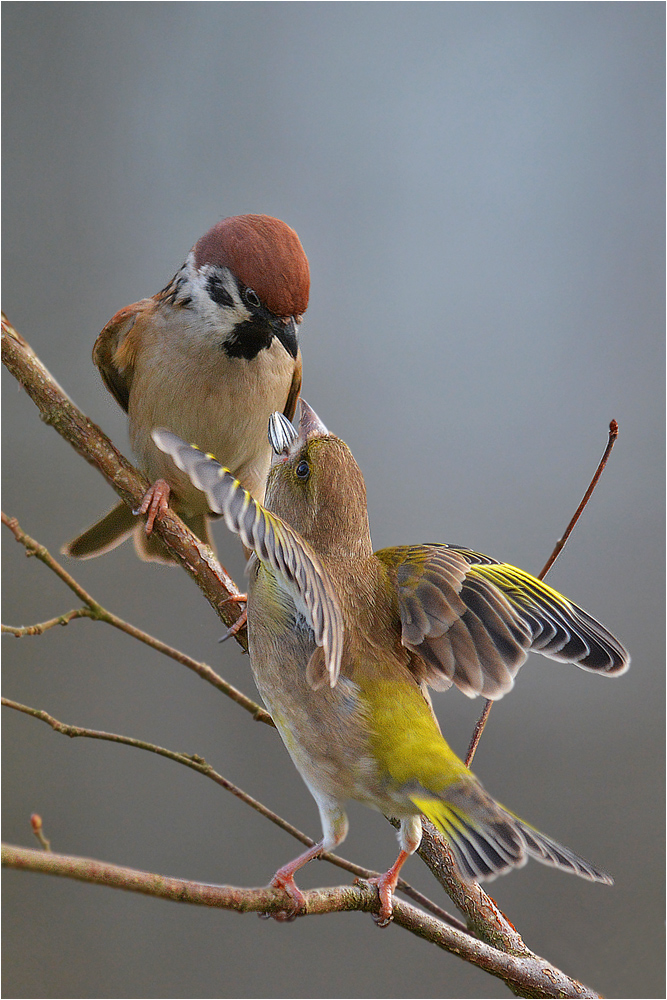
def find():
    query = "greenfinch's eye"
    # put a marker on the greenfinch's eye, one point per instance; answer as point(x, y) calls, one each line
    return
point(303, 470)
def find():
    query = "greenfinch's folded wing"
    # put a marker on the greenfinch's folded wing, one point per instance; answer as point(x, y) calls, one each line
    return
point(473, 620)
point(274, 542)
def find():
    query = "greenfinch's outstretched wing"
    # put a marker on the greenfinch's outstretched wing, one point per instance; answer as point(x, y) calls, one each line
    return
point(472, 620)
point(274, 542)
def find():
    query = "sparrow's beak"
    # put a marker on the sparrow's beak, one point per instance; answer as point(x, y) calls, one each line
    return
point(286, 329)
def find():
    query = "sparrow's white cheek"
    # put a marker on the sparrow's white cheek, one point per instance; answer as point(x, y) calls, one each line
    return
point(212, 322)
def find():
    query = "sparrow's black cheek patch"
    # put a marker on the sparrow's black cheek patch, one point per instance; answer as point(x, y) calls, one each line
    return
point(248, 339)
point(218, 292)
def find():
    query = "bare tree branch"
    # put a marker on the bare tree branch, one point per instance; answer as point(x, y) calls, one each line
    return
point(482, 914)
point(57, 409)
point(95, 611)
point(528, 976)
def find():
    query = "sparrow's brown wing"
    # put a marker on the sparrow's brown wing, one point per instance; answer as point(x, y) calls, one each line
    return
point(113, 352)
point(472, 620)
point(294, 389)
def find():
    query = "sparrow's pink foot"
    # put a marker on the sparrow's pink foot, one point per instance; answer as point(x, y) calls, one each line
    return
point(156, 501)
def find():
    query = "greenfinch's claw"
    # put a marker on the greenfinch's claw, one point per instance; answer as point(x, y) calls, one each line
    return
point(297, 902)
point(385, 886)
point(240, 622)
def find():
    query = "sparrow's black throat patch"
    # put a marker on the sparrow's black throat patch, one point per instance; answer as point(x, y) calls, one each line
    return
point(256, 333)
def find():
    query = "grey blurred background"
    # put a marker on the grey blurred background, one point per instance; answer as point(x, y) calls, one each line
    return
point(479, 188)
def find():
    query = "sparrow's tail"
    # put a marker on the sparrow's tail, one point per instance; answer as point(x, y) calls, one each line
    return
point(104, 535)
point(119, 524)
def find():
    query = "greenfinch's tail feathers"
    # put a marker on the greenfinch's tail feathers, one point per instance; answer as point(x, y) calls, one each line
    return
point(274, 542)
point(488, 840)
point(550, 852)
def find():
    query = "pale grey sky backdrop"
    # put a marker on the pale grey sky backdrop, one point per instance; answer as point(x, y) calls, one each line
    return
point(479, 188)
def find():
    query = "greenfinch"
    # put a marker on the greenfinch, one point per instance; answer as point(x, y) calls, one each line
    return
point(343, 643)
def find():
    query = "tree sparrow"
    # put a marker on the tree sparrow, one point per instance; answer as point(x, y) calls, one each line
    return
point(212, 356)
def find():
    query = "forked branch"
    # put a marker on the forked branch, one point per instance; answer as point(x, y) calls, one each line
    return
point(500, 951)
point(527, 975)
point(558, 548)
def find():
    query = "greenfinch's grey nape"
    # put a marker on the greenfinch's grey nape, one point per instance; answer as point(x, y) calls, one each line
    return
point(343, 642)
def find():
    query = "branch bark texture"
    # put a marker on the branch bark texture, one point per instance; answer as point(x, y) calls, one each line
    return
point(528, 976)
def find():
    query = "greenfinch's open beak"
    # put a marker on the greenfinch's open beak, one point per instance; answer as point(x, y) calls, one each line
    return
point(310, 425)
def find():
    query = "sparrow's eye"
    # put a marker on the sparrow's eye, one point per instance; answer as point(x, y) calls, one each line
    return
point(303, 470)
point(251, 297)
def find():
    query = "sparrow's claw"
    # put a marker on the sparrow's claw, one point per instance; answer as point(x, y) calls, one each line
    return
point(156, 501)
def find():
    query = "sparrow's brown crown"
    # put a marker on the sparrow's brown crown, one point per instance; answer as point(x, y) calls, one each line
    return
point(263, 253)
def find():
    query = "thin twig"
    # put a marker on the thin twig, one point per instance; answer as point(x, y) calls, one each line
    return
point(477, 731)
point(558, 548)
point(21, 631)
point(527, 975)
point(560, 544)
point(96, 612)
point(197, 763)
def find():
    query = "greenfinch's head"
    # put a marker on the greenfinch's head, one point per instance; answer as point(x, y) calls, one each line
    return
point(316, 486)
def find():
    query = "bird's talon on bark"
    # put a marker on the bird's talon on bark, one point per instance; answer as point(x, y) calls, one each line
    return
point(236, 627)
point(156, 501)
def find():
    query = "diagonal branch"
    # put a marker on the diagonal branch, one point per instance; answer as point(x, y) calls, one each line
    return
point(58, 410)
point(95, 611)
point(558, 548)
